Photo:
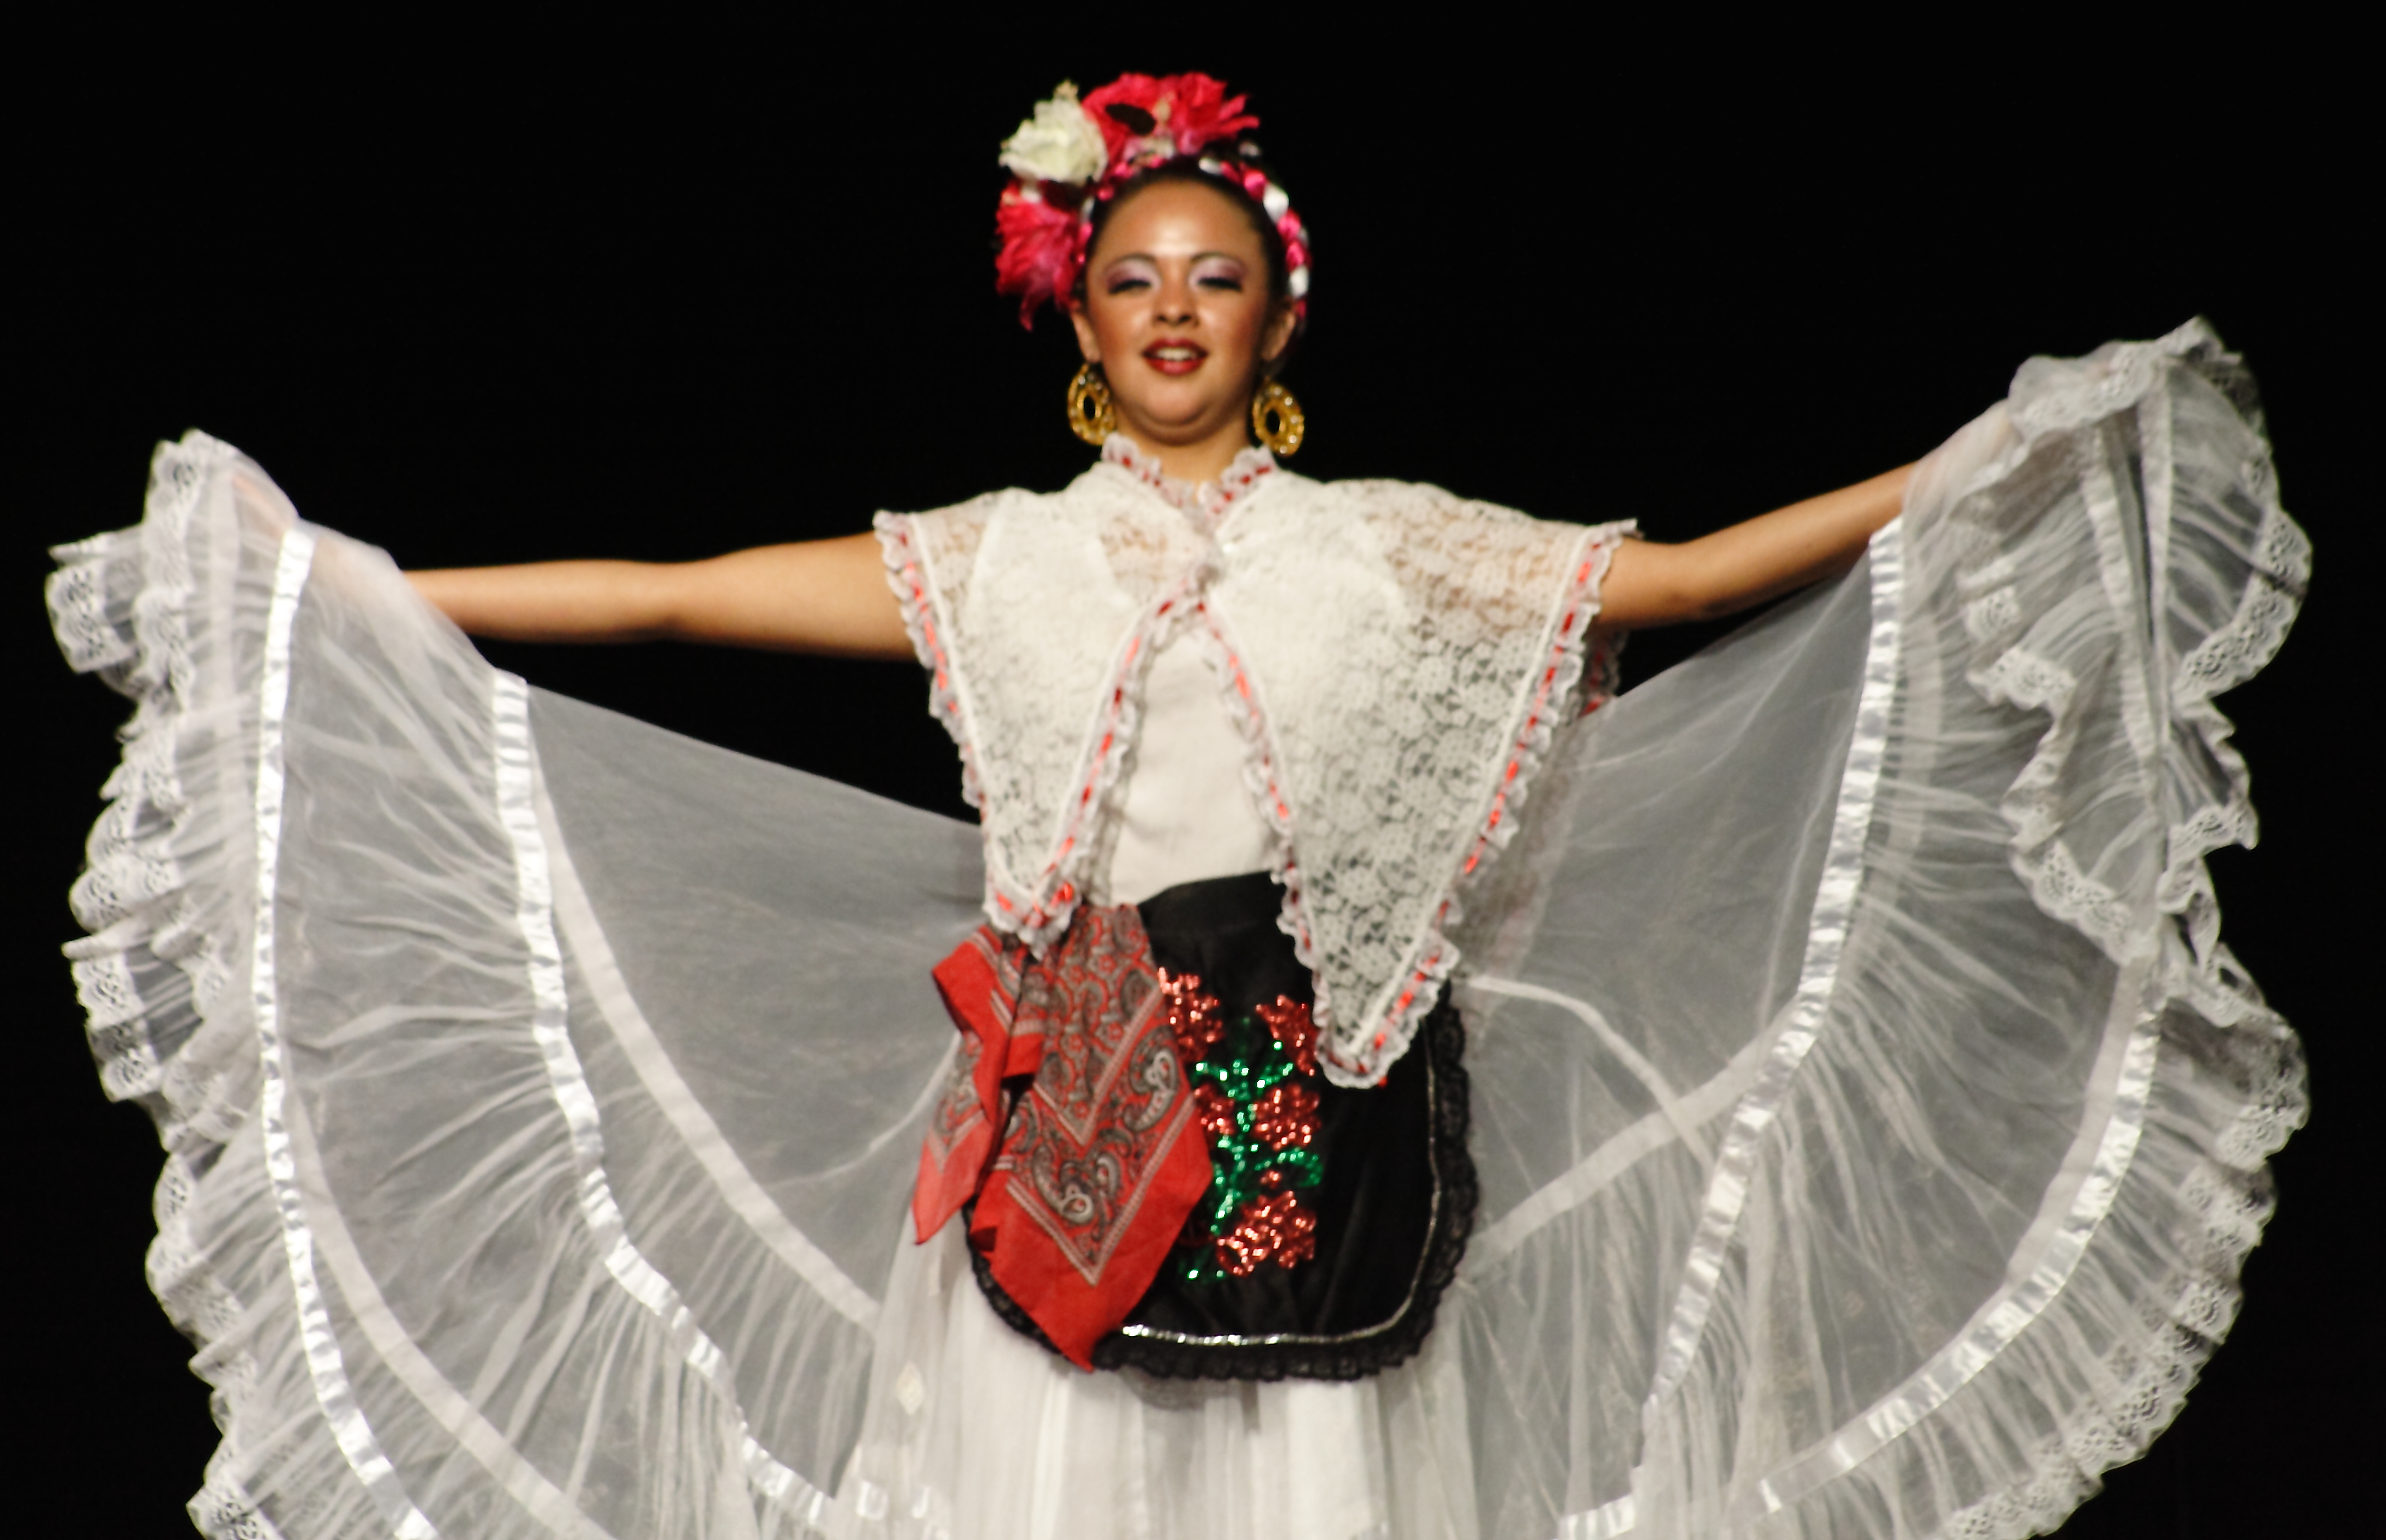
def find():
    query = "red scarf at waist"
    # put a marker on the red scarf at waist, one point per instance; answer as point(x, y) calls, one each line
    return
point(1083, 1181)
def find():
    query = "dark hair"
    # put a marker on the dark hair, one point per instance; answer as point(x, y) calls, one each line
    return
point(1188, 168)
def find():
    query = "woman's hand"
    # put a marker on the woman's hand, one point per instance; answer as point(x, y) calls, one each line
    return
point(1649, 584)
point(827, 597)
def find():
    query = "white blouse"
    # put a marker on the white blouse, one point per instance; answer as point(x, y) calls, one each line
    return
point(1184, 811)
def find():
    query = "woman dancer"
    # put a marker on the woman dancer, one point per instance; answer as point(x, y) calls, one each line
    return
point(1225, 1166)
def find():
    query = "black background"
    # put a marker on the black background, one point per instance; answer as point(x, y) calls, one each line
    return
point(479, 299)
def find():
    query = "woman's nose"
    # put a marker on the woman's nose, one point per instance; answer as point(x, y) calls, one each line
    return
point(1172, 300)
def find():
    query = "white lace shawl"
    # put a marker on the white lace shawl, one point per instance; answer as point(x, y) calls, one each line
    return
point(1395, 659)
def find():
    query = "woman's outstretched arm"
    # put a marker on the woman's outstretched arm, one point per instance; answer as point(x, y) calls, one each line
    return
point(820, 596)
point(1650, 584)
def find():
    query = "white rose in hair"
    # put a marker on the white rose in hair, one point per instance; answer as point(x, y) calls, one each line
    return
point(1060, 143)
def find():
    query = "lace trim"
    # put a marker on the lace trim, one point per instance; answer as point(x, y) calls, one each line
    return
point(2021, 678)
point(1210, 500)
point(130, 865)
point(2282, 572)
point(76, 594)
point(223, 1509)
point(2066, 394)
point(1022, 915)
point(907, 575)
point(132, 893)
point(2126, 377)
point(1060, 885)
point(2113, 378)
point(2001, 1319)
point(2234, 653)
point(121, 605)
point(1039, 914)
point(2149, 1378)
point(1359, 1354)
point(1355, 1056)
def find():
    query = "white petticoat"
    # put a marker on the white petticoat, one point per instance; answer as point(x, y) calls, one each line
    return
point(974, 1430)
point(1870, 1122)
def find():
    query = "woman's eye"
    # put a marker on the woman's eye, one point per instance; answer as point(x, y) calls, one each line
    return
point(1233, 282)
point(1126, 281)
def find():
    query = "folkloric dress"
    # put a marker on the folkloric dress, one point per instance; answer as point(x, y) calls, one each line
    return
point(1805, 1096)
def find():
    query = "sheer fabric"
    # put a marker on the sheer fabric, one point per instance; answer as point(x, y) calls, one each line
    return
point(1870, 1122)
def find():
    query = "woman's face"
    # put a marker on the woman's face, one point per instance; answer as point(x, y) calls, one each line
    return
point(1178, 312)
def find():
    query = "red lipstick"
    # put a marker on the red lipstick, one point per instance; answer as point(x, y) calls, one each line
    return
point(1175, 355)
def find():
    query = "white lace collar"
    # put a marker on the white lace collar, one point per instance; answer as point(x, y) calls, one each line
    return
point(1206, 504)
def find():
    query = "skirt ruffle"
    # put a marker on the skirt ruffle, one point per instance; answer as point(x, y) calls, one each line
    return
point(1869, 1120)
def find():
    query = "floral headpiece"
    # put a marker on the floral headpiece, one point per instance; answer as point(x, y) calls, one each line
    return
point(1074, 156)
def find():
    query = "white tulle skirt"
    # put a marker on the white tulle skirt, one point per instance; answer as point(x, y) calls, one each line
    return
point(1869, 1122)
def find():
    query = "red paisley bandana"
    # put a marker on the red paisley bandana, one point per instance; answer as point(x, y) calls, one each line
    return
point(1099, 1162)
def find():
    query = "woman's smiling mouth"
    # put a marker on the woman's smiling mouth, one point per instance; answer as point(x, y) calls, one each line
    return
point(1171, 356)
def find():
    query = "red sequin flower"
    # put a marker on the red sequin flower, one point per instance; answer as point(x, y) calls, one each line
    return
point(1288, 1023)
point(1216, 1111)
point(1193, 1016)
point(1275, 1229)
point(1286, 1118)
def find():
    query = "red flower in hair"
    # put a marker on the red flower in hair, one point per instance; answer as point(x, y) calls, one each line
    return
point(1037, 257)
point(1159, 119)
point(1070, 147)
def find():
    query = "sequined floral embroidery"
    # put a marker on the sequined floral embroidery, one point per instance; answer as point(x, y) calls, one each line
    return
point(1275, 1229)
point(1255, 1095)
point(1288, 1023)
point(1286, 1118)
point(1191, 1017)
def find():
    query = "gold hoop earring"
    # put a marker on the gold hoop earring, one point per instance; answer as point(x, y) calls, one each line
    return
point(1290, 425)
point(1091, 415)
